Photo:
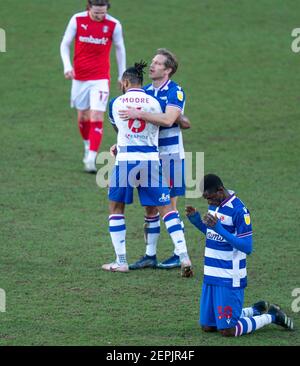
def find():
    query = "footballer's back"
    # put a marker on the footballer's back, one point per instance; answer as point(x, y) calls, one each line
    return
point(137, 133)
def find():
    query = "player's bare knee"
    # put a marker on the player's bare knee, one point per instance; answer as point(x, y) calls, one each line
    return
point(163, 210)
point(227, 332)
point(151, 211)
point(96, 116)
point(174, 203)
point(84, 116)
point(116, 207)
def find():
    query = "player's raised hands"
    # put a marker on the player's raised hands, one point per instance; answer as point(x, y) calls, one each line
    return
point(210, 220)
point(190, 210)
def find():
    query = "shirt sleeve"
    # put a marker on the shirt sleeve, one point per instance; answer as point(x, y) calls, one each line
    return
point(118, 41)
point(110, 111)
point(242, 221)
point(176, 98)
point(66, 44)
point(196, 220)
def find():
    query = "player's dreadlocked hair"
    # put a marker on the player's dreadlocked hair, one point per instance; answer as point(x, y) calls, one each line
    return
point(98, 3)
point(135, 74)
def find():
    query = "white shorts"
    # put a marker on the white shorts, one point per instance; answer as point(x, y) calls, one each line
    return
point(91, 94)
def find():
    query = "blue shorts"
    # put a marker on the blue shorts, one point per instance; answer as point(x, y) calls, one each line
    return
point(174, 171)
point(220, 306)
point(146, 176)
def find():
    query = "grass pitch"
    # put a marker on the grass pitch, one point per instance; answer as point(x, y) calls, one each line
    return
point(242, 84)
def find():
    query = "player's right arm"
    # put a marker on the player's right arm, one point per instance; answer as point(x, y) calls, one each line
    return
point(194, 217)
point(242, 241)
point(65, 47)
point(174, 109)
point(118, 41)
point(183, 122)
point(158, 119)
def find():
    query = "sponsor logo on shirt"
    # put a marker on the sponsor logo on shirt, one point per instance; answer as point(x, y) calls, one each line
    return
point(180, 95)
point(247, 219)
point(130, 136)
point(137, 125)
point(214, 236)
point(93, 40)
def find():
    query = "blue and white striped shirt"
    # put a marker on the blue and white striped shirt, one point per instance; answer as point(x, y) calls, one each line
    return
point(170, 138)
point(224, 265)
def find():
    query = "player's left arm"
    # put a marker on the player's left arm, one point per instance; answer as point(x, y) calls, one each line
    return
point(112, 121)
point(176, 98)
point(243, 240)
point(174, 109)
point(158, 119)
point(65, 47)
point(118, 41)
point(195, 218)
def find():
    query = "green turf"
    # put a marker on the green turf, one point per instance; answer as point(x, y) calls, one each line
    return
point(242, 83)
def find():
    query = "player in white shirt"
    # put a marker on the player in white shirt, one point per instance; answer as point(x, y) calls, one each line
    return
point(138, 165)
point(172, 100)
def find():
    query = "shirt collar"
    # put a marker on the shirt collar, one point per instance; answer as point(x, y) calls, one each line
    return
point(228, 200)
point(135, 90)
point(164, 86)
